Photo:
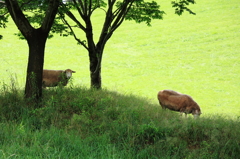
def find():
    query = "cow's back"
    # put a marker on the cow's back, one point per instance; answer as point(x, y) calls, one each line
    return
point(52, 73)
point(169, 92)
point(52, 77)
point(170, 96)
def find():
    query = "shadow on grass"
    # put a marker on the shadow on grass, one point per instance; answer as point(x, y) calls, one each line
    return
point(77, 121)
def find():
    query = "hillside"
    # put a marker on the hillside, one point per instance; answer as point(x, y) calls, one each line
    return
point(82, 123)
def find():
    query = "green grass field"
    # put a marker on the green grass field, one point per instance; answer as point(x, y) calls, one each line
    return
point(196, 55)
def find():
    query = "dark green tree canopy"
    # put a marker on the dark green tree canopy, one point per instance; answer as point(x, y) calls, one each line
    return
point(141, 11)
point(115, 13)
point(181, 6)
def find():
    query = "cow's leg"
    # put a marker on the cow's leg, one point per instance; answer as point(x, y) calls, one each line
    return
point(181, 114)
point(163, 106)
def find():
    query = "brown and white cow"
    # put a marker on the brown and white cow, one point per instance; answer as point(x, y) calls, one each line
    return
point(52, 78)
point(178, 102)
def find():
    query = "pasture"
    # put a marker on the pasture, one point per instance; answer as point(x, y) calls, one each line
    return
point(193, 54)
point(196, 55)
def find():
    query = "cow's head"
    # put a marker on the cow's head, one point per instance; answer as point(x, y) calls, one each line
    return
point(197, 113)
point(69, 72)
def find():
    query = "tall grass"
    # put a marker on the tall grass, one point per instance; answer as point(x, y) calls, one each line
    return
point(77, 122)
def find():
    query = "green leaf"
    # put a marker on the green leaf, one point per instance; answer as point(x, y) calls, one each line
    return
point(141, 11)
point(181, 6)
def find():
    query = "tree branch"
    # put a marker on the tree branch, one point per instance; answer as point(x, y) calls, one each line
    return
point(112, 22)
point(18, 17)
point(81, 9)
point(50, 15)
point(90, 8)
point(74, 35)
point(71, 16)
point(120, 14)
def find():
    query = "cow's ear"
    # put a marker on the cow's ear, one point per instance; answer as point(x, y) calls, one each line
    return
point(73, 71)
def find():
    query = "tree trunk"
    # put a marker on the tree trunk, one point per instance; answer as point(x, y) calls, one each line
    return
point(95, 71)
point(33, 88)
point(36, 39)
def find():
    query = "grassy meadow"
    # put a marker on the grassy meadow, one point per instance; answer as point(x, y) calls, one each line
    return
point(196, 55)
point(193, 54)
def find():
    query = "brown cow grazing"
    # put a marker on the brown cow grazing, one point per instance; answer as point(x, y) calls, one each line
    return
point(178, 102)
point(52, 78)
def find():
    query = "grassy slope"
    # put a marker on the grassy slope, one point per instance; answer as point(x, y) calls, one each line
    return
point(196, 55)
point(83, 123)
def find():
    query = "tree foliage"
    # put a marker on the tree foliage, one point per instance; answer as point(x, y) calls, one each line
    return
point(181, 6)
point(141, 11)
point(34, 11)
point(3, 16)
